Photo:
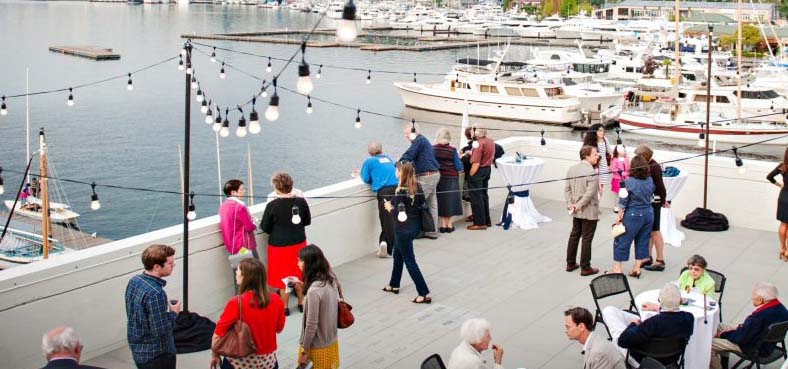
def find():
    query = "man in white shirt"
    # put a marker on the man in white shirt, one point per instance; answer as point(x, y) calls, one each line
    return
point(476, 338)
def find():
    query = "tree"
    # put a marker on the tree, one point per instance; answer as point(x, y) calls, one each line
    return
point(750, 37)
point(547, 8)
point(666, 64)
point(568, 8)
point(586, 7)
point(506, 4)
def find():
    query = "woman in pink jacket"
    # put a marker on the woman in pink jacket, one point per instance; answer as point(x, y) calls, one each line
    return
point(620, 170)
point(235, 221)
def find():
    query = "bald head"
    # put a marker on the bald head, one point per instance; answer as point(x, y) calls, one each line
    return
point(61, 342)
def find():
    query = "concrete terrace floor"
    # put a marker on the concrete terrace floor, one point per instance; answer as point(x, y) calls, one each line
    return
point(516, 280)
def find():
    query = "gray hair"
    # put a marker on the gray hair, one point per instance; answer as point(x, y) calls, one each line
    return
point(480, 130)
point(375, 148)
point(60, 339)
point(443, 136)
point(766, 291)
point(669, 297)
point(473, 330)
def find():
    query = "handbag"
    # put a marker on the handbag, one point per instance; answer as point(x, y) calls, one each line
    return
point(427, 223)
point(344, 317)
point(618, 229)
point(237, 341)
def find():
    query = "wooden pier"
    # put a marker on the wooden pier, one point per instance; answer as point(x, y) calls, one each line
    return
point(68, 236)
point(90, 52)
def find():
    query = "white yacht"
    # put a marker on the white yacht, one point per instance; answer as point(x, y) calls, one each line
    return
point(757, 104)
point(334, 9)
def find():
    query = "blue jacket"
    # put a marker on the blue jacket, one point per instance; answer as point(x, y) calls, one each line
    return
point(755, 326)
point(421, 154)
point(379, 171)
point(663, 325)
point(641, 192)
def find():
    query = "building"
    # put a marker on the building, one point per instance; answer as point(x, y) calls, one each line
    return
point(629, 9)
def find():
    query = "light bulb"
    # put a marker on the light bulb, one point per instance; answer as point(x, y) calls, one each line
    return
point(2, 189)
point(183, 52)
point(199, 97)
point(358, 124)
point(475, 144)
point(402, 216)
point(189, 70)
point(268, 67)
point(192, 214)
point(194, 84)
point(240, 132)
point(209, 118)
point(272, 113)
point(217, 127)
point(346, 30)
point(213, 59)
point(3, 108)
point(412, 136)
point(319, 72)
point(309, 108)
point(296, 219)
point(180, 66)
point(369, 79)
point(254, 127)
point(130, 85)
point(95, 204)
point(221, 74)
point(224, 131)
point(701, 142)
point(623, 193)
point(304, 84)
point(263, 93)
point(70, 102)
point(544, 148)
point(204, 107)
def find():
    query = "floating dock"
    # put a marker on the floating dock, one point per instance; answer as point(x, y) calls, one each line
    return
point(90, 52)
point(68, 236)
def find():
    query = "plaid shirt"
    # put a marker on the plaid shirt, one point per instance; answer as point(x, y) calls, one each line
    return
point(150, 324)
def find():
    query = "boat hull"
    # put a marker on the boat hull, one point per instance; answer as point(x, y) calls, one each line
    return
point(413, 95)
point(735, 136)
point(58, 215)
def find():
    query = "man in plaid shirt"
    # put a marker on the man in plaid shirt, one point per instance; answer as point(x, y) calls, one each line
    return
point(151, 316)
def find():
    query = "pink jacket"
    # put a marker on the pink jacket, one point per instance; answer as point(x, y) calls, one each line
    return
point(620, 164)
point(237, 226)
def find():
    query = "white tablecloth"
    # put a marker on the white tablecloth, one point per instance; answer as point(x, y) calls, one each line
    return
point(667, 224)
point(523, 211)
point(698, 351)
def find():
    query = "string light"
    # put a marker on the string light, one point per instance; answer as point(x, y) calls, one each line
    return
point(296, 219)
point(192, 214)
point(188, 58)
point(412, 135)
point(2, 187)
point(3, 107)
point(304, 85)
point(213, 55)
point(618, 137)
point(254, 120)
point(130, 85)
point(180, 62)
point(209, 114)
point(183, 51)
point(414, 77)
point(701, 136)
point(217, 124)
point(263, 91)
point(241, 130)
point(319, 71)
point(543, 142)
point(204, 107)
point(369, 76)
point(358, 119)
point(308, 104)
point(268, 68)
point(199, 97)
point(70, 101)
point(194, 82)
point(622, 192)
point(221, 72)
point(402, 215)
point(225, 130)
point(272, 113)
point(346, 30)
point(94, 200)
point(738, 161)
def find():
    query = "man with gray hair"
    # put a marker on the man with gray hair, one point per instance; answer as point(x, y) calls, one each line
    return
point(379, 172)
point(62, 349)
point(629, 332)
point(421, 154)
point(768, 310)
point(482, 158)
point(476, 338)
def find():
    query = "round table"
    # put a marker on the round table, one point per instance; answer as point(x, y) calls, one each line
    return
point(698, 351)
point(667, 224)
point(522, 214)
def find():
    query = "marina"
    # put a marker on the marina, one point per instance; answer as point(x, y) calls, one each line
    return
point(90, 52)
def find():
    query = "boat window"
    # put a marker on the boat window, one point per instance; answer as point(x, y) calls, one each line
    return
point(488, 88)
point(553, 91)
point(513, 91)
point(765, 94)
point(722, 99)
point(530, 92)
point(689, 77)
point(630, 69)
point(555, 57)
point(568, 81)
point(699, 98)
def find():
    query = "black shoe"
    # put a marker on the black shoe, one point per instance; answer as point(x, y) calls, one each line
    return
point(431, 236)
point(301, 307)
point(450, 230)
point(287, 311)
point(442, 230)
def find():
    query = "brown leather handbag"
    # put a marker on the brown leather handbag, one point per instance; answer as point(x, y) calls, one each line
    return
point(345, 317)
point(237, 341)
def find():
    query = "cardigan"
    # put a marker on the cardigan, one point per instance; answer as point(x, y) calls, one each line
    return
point(321, 309)
point(278, 224)
point(705, 284)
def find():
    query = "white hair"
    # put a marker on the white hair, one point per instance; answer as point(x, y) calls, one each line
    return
point(443, 136)
point(480, 130)
point(669, 297)
point(61, 339)
point(473, 330)
point(766, 291)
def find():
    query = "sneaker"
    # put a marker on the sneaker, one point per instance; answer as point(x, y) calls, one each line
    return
point(383, 249)
point(615, 210)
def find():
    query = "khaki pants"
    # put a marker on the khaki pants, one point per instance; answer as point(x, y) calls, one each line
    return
point(721, 347)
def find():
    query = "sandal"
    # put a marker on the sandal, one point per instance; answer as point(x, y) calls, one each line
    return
point(648, 262)
point(635, 274)
point(656, 267)
point(784, 256)
point(391, 290)
point(424, 300)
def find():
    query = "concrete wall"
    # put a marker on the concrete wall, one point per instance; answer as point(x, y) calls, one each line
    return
point(85, 289)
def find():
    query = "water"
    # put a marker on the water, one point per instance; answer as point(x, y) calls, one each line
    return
point(113, 136)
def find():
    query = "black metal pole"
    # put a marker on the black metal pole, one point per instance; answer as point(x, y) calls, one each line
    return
point(186, 155)
point(708, 123)
point(16, 199)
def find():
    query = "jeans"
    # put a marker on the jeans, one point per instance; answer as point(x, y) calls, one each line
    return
point(403, 254)
point(581, 228)
point(637, 222)
point(428, 184)
point(480, 201)
point(386, 218)
point(163, 361)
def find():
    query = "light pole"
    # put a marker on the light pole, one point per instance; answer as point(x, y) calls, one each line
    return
point(187, 154)
point(708, 123)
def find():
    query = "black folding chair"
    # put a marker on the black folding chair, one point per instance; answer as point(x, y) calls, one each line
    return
point(719, 285)
point(433, 362)
point(607, 285)
point(649, 363)
point(661, 349)
point(775, 334)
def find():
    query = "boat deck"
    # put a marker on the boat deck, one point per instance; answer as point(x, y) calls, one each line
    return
point(69, 237)
point(516, 280)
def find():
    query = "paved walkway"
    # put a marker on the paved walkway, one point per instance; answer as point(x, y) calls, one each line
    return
point(516, 280)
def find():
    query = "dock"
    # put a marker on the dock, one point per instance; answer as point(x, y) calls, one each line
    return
point(90, 52)
point(68, 236)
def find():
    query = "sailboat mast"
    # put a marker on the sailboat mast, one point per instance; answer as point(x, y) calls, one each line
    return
point(44, 194)
point(27, 119)
point(738, 63)
point(249, 169)
point(218, 168)
point(676, 53)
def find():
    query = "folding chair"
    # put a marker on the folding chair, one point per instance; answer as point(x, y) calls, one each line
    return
point(433, 362)
point(649, 363)
point(663, 348)
point(775, 334)
point(607, 285)
point(719, 285)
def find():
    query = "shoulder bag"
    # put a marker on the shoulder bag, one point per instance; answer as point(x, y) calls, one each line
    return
point(237, 341)
point(344, 316)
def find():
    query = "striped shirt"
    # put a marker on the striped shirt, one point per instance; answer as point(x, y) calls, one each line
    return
point(150, 324)
point(448, 160)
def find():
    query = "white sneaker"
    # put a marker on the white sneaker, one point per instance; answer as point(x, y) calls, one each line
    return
point(383, 249)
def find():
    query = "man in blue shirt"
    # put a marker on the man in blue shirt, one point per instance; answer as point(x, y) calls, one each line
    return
point(379, 172)
point(150, 315)
point(423, 157)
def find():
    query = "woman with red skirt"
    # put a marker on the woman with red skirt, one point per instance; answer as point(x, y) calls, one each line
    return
point(284, 220)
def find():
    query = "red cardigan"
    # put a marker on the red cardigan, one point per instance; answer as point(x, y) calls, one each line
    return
point(264, 323)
